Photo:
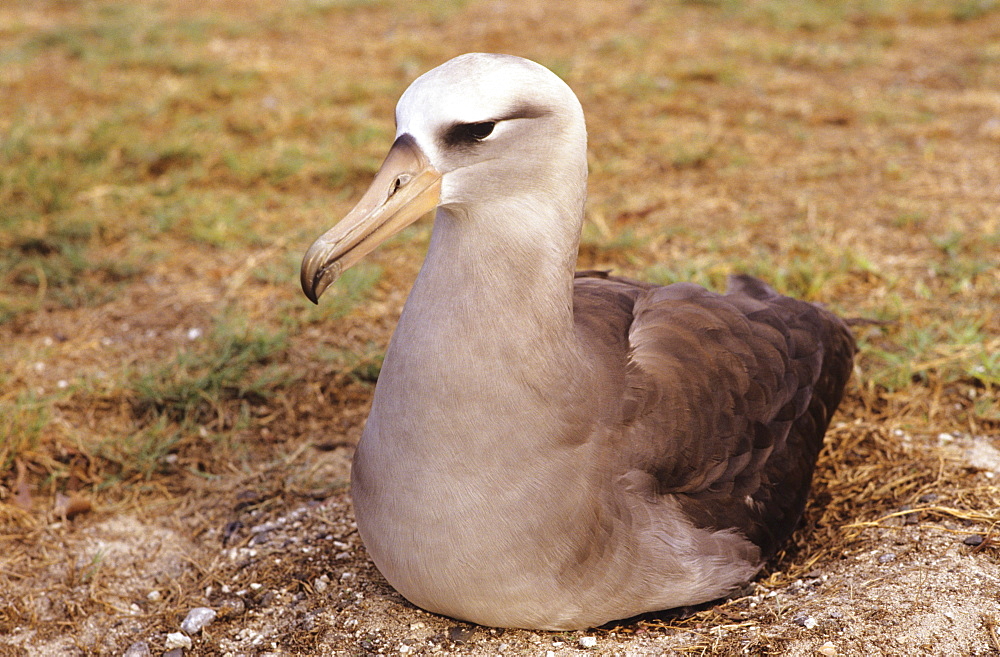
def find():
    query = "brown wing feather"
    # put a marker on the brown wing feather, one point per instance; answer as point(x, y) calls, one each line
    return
point(736, 390)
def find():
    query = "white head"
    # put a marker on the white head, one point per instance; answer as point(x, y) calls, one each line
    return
point(495, 141)
point(532, 127)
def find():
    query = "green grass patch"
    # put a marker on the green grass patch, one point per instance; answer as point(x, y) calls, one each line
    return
point(627, 243)
point(199, 402)
point(817, 16)
point(353, 288)
point(363, 366)
point(23, 418)
point(236, 363)
point(968, 10)
point(141, 453)
point(75, 175)
point(703, 274)
point(437, 11)
point(908, 351)
point(126, 36)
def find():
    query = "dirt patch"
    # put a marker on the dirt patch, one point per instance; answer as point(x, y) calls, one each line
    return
point(288, 575)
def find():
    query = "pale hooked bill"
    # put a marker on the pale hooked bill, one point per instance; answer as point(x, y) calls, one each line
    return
point(555, 451)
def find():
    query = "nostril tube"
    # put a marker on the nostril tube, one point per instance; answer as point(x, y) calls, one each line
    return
point(400, 180)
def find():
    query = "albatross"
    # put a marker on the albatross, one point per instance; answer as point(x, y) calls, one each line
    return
point(550, 450)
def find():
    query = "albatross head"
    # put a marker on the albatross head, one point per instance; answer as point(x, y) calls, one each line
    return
point(486, 138)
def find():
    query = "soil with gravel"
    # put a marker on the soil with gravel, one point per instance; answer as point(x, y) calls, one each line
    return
point(288, 576)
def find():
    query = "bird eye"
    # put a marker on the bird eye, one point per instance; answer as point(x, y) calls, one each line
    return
point(480, 131)
point(465, 134)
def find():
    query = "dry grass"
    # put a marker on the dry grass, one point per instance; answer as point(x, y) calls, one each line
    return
point(163, 166)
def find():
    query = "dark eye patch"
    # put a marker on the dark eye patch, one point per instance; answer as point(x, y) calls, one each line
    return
point(464, 134)
point(467, 135)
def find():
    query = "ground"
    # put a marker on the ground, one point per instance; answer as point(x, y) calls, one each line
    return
point(177, 422)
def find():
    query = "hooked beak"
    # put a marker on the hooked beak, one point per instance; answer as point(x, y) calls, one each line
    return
point(405, 188)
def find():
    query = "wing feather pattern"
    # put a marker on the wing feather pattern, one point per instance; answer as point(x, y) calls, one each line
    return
point(737, 390)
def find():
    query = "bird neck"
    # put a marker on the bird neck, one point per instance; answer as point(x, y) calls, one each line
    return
point(486, 335)
point(489, 277)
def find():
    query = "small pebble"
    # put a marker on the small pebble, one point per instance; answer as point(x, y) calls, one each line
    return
point(588, 641)
point(807, 622)
point(459, 634)
point(176, 652)
point(231, 529)
point(910, 518)
point(177, 640)
point(153, 595)
point(231, 607)
point(827, 649)
point(138, 649)
point(974, 540)
point(196, 619)
point(887, 557)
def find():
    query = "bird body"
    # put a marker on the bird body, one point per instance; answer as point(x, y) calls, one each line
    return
point(549, 450)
